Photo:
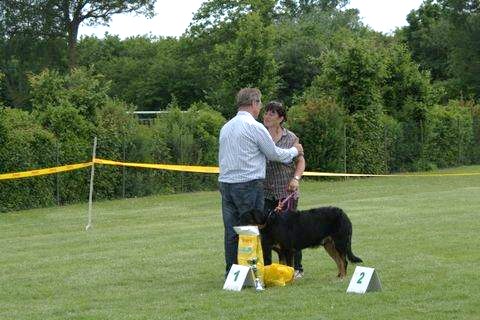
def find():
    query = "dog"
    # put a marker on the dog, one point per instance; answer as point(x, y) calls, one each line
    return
point(289, 231)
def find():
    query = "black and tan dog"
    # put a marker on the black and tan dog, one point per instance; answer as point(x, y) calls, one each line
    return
point(289, 231)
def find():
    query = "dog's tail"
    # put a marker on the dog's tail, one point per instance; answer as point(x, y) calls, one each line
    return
point(347, 224)
point(351, 257)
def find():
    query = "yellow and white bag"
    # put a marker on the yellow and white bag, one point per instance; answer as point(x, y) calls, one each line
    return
point(250, 248)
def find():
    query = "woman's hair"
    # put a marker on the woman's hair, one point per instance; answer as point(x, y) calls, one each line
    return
point(278, 108)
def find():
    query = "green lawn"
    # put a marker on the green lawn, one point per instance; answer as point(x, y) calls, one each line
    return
point(162, 257)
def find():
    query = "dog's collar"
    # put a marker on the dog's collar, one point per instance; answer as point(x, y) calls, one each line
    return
point(262, 226)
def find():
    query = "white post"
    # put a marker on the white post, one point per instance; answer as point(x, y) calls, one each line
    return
point(89, 225)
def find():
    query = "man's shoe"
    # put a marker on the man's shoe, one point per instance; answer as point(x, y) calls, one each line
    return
point(298, 274)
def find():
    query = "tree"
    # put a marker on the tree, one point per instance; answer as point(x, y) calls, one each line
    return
point(464, 16)
point(444, 36)
point(75, 12)
point(301, 39)
point(247, 61)
point(427, 36)
point(146, 71)
point(215, 14)
point(225, 14)
point(80, 90)
point(405, 86)
point(297, 8)
point(353, 75)
point(49, 18)
point(30, 40)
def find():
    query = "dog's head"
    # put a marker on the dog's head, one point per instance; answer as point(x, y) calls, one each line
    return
point(253, 217)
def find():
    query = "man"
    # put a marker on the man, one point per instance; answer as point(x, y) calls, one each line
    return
point(245, 144)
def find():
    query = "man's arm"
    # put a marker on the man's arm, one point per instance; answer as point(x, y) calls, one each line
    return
point(271, 151)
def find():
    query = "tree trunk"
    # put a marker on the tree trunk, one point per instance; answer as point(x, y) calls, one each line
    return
point(72, 43)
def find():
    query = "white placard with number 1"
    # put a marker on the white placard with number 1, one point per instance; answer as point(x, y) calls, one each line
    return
point(364, 280)
point(236, 278)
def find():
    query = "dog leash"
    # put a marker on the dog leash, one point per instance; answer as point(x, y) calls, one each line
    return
point(288, 200)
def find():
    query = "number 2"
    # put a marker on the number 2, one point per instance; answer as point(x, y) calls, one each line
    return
point(361, 278)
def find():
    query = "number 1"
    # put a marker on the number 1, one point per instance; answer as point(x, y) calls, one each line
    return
point(236, 275)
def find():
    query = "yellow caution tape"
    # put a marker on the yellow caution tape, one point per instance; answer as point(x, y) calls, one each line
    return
point(174, 167)
point(329, 174)
point(206, 169)
point(203, 169)
point(200, 169)
point(40, 172)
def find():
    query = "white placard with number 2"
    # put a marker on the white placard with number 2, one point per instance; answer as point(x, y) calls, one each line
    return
point(363, 280)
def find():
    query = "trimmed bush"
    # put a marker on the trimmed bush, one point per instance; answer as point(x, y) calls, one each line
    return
point(366, 149)
point(25, 146)
point(319, 123)
point(189, 137)
point(80, 89)
point(448, 135)
point(116, 129)
point(74, 135)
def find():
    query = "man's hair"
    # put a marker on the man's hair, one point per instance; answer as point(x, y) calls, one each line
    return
point(278, 108)
point(247, 96)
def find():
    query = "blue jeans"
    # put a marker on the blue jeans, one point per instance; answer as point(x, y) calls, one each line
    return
point(238, 199)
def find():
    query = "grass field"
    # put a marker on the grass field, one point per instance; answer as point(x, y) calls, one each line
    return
point(162, 257)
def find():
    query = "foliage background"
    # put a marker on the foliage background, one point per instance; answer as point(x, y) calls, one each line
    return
point(360, 101)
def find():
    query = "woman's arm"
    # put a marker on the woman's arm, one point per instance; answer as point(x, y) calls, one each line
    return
point(299, 169)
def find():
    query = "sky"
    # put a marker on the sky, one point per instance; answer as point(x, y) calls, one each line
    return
point(174, 16)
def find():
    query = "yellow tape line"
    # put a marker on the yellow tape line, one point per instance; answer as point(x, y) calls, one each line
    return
point(200, 169)
point(329, 174)
point(174, 167)
point(206, 169)
point(41, 172)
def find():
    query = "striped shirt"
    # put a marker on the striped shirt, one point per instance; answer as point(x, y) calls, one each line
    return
point(244, 144)
point(279, 174)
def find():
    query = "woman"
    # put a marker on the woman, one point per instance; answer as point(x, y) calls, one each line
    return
point(281, 179)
